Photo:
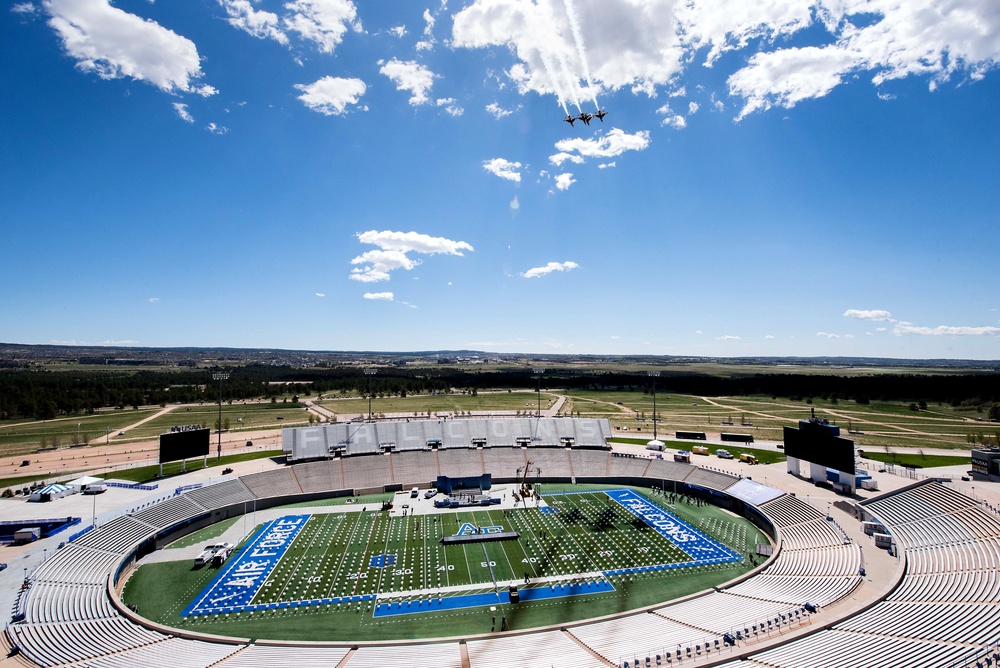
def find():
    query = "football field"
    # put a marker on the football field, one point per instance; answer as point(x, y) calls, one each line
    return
point(321, 573)
point(566, 539)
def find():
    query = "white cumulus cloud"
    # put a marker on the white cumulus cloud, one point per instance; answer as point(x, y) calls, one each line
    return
point(391, 253)
point(182, 111)
point(901, 328)
point(537, 272)
point(323, 22)
point(505, 169)
point(115, 44)
point(564, 180)
point(870, 314)
point(728, 337)
point(331, 96)
point(451, 107)
point(410, 76)
point(498, 112)
point(379, 296)
point(792, 50)
point(256, 22)
point(613, 144)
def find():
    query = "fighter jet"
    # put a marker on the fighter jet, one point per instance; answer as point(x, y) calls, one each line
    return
point(570, 119)
point(600, 115)
point(585, 117)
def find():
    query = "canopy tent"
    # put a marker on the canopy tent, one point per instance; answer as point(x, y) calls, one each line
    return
point(86, 481)
point(51, 492)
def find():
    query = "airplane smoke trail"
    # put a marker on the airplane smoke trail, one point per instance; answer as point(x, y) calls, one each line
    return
point(547, 64)
point(541, 41)
point(548, 24)
point(574, 26)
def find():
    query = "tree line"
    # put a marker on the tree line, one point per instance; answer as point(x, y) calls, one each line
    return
point(26, 394)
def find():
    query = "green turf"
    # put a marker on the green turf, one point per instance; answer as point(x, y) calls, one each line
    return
point(204, 534)
point(369, 499)
point(29, 436)
point(521, 400)
point(147, 473)
point(917, 460)
point(330, 557)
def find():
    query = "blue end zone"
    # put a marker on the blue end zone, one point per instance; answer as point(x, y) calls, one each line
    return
point(697, 545)
point(240, 580)
point(490, 598)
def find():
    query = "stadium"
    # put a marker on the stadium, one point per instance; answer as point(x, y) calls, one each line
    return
point(789, 586)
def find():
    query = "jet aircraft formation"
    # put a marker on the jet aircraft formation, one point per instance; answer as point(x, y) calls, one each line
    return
point(585, 117)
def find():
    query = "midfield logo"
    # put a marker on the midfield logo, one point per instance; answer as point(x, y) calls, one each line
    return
point(469, 529)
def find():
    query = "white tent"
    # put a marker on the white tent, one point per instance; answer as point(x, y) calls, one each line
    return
point(83, 483)
point(50, 493)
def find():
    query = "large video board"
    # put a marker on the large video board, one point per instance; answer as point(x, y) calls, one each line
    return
point(186, 444)
point(821, 444)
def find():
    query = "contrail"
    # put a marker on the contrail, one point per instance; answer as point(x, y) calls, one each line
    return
point(574, 25)
point(548, 24)
point(547, 64)
point(547, 61)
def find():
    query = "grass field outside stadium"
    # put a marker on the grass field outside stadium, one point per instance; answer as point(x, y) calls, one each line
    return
point(318, 574)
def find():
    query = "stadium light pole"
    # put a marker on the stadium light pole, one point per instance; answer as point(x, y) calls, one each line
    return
point(370, 371)
point(539, 391)
point(221, 376)
point(654, 375)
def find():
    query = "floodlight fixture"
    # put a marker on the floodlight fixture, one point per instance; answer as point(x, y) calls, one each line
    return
point(220, 376)
point(654, 375)
point(538, 391)
point(370, 371)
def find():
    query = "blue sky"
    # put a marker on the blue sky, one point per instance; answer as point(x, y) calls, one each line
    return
point(774, 178)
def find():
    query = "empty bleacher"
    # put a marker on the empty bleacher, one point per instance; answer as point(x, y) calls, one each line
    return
point(554, 462)
point(220, 494)
point(505, 462)
point(77, 565)
point(668, 470)
point(118, 535)
point(555, 649)
point(711, 479)
point(444, 655)
point(271, 484)
point(460, 464)
point(366, 472)
point(644, 634)
point(627, 467)
point(414, 468)
point(58, 602)
point(722, 612)
point(321, 476)
point(589, 463)
point(942, 614)
point(787, 510)
point(170, 512)
point(267, 656)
